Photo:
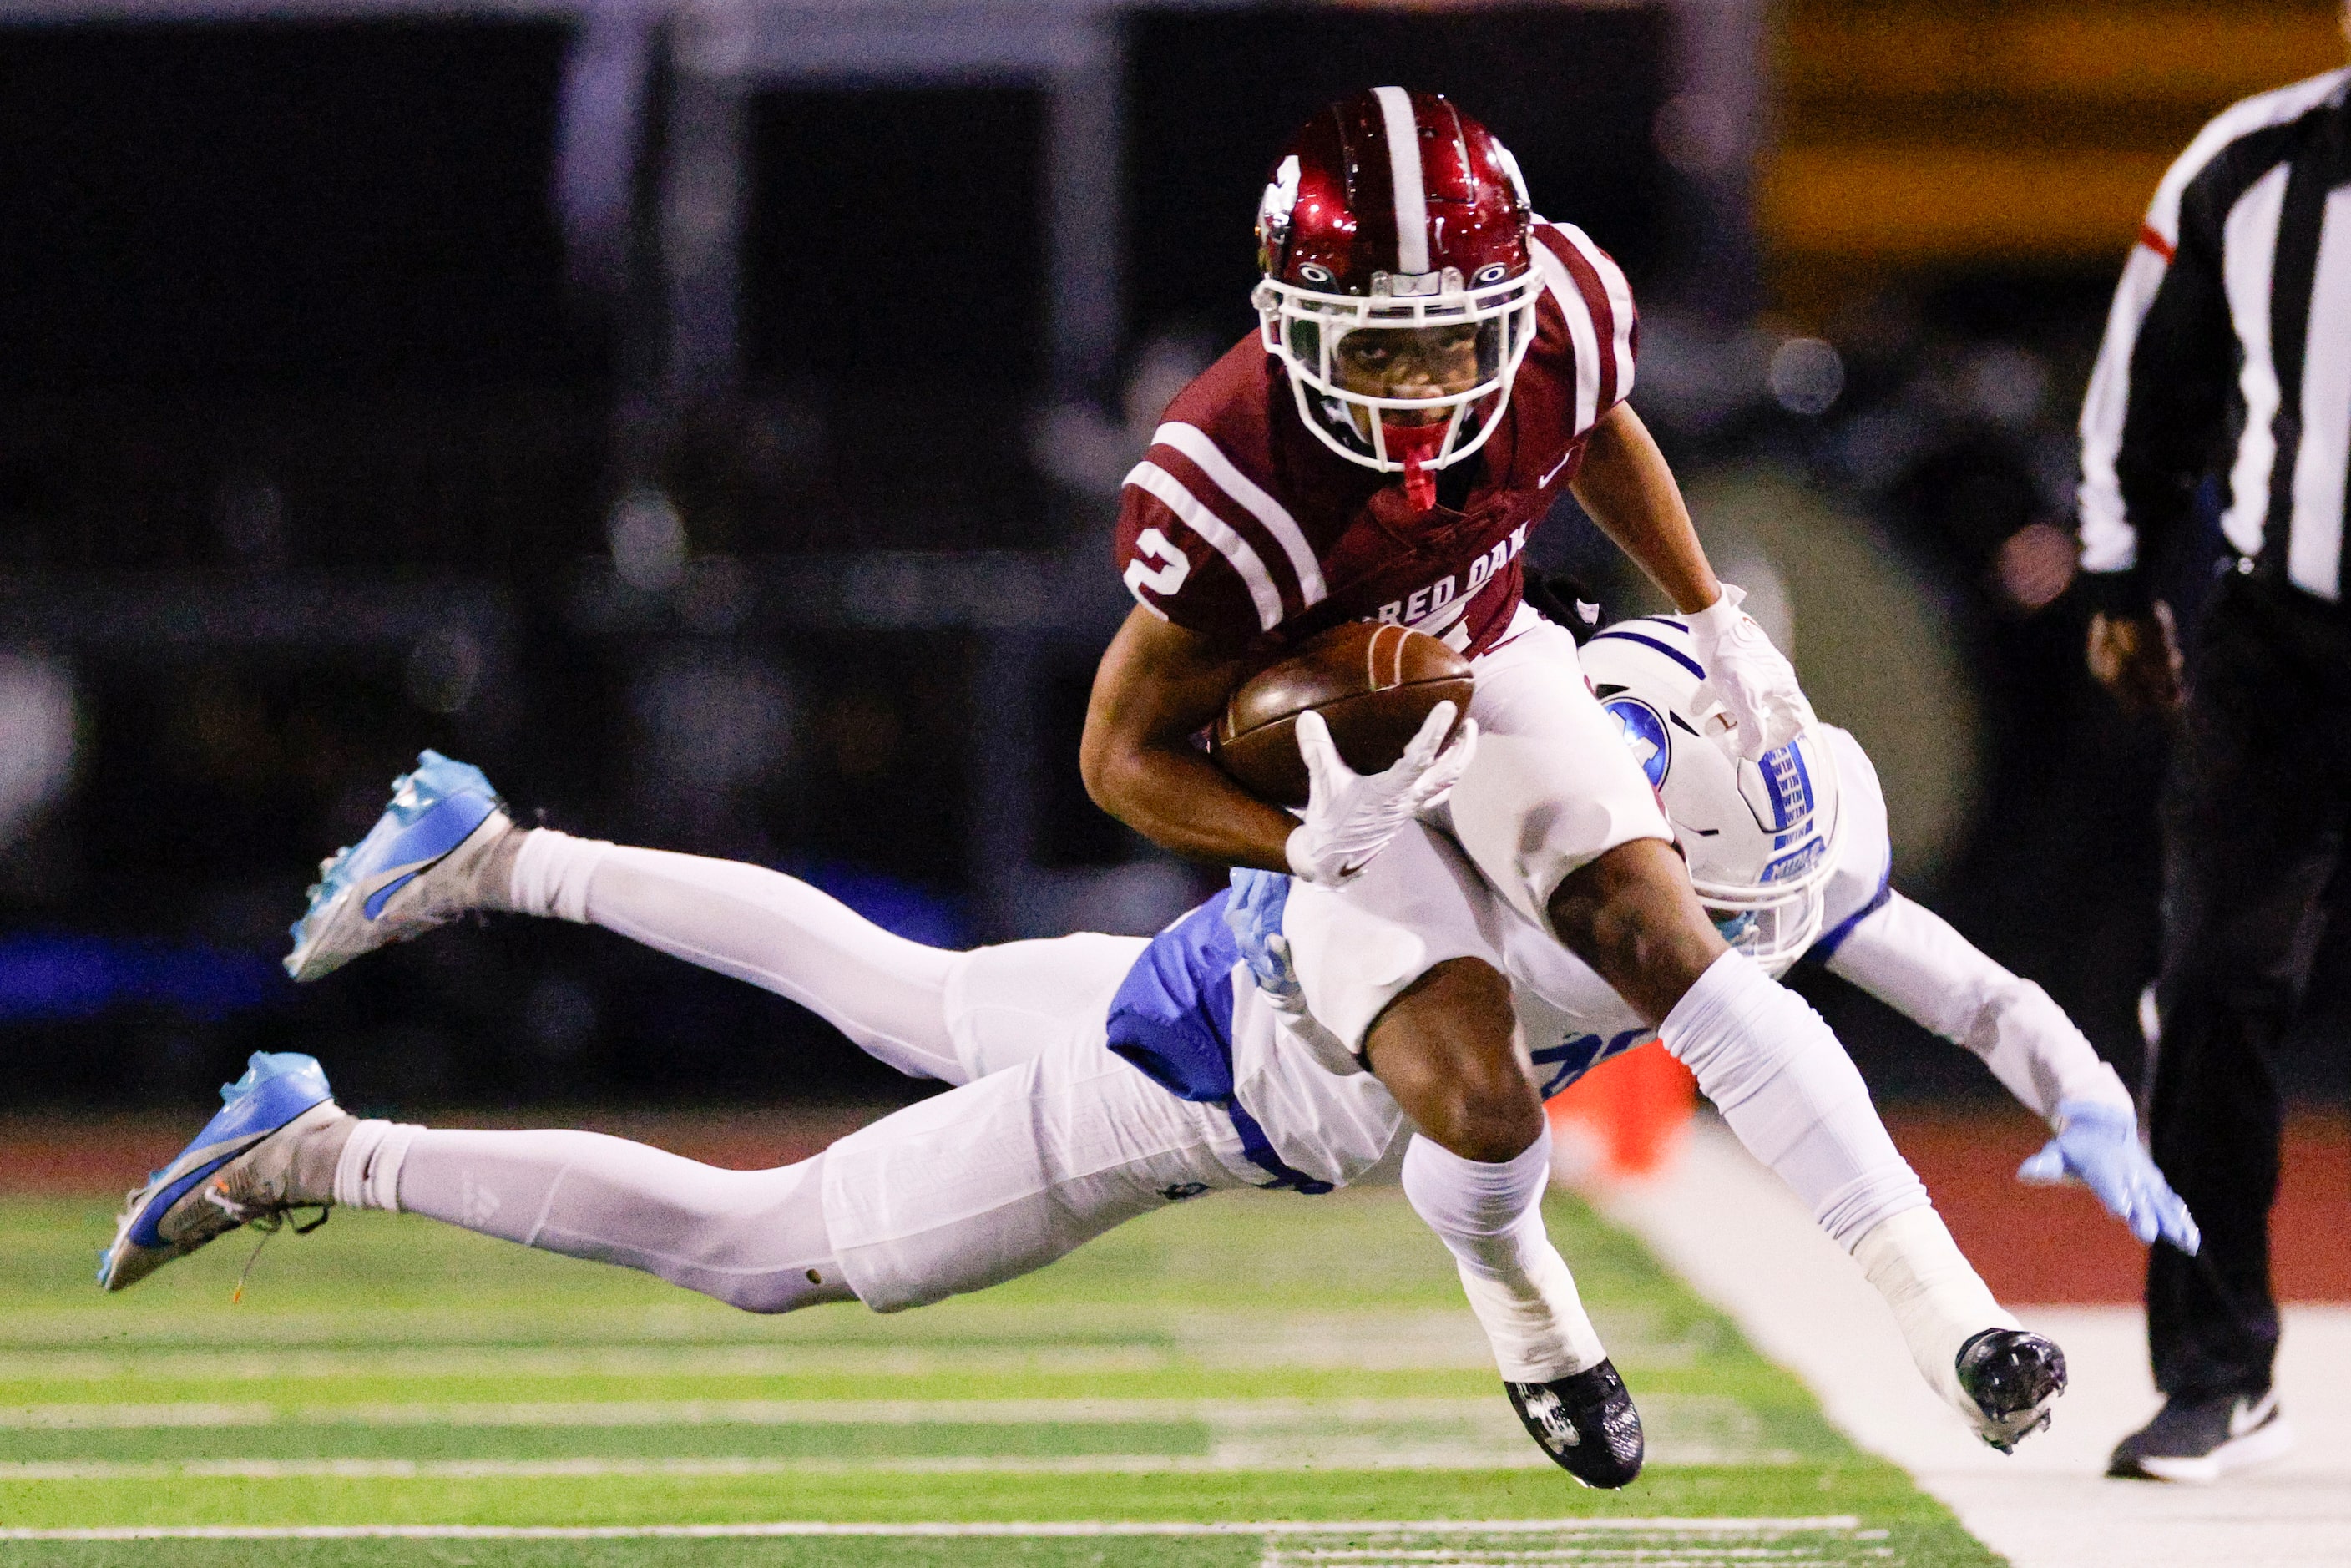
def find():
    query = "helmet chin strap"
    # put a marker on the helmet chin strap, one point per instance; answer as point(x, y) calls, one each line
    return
point(1417, 444)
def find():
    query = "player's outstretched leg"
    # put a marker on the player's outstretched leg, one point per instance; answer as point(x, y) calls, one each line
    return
point(964, 1190)
point(271, 1149)
point(443, 846)
point(1476, 1173)
point(1792, 1096)
point(446, 845)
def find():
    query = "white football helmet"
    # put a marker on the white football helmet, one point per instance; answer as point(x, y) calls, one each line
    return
point(1760, 838)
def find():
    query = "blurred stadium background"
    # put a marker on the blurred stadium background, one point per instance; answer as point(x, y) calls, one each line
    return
point(707, 416)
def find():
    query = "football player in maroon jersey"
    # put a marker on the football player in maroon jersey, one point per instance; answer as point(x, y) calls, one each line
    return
point(1435, 363)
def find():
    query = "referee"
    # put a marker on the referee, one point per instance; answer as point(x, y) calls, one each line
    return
point(2228, 357)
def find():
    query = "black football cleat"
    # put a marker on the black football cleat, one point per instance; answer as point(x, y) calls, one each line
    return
point(1585, 1422)
point(2193, 1439)
point(2013, 1376)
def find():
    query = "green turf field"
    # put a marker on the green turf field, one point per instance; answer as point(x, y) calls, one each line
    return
point(1244, 1380)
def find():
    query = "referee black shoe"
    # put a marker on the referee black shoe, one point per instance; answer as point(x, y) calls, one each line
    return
point(1585, 1422)
point(2013, 1376)
point(2204, 1439)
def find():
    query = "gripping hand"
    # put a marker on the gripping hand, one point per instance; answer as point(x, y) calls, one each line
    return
point(2098, 1145)
point(1351, 816)
point(1754, 680)
point(1253, 913)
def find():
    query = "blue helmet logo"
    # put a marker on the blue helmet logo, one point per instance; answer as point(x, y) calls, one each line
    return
point(1645, 732)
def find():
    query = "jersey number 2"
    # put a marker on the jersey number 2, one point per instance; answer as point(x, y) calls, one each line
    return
point(1164, 579)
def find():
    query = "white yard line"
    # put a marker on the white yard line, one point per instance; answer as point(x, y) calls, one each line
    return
point(757, 1413)
point(1742, 1240)
point(1463, 1457)
point(1824, 1524)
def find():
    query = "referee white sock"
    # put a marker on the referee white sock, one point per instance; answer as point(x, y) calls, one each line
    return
point(1489, 1216)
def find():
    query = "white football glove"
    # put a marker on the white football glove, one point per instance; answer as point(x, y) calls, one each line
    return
point(1351, 816)
point(1754, 680)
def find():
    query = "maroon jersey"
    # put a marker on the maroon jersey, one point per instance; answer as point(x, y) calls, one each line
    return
point(1240, 524)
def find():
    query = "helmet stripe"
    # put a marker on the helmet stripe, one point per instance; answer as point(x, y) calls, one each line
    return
point(1618, 634)
point(1404, 178)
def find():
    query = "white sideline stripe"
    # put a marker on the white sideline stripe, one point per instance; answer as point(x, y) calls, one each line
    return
point(1196, 444)
point(1405, 174)
point(1077, 1528)
point(1234, 1413)
point(1154, 479)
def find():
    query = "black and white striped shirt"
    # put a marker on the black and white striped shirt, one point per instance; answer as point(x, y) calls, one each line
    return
point(2229, 349)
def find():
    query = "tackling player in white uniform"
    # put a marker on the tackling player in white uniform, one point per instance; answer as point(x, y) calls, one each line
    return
point(1053, 1135)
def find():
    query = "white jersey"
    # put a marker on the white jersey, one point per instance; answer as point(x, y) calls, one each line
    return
point(1572, 1021)
point(1306, 1115)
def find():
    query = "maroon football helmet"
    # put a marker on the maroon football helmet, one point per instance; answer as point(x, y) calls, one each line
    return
point(1398, 289)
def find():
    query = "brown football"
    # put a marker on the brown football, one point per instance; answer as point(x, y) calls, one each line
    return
point(1374, 684)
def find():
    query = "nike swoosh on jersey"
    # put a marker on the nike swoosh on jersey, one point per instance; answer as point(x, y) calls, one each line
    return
point(1555, 467)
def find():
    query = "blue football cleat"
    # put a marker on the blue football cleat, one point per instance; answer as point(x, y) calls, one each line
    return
point(254, 1160)
point(419, 867)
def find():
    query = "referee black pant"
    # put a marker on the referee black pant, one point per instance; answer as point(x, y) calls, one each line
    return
point(2254, 814)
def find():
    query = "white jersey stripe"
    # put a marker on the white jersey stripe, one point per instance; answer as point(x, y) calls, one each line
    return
point(1619, 305)
point(1579, 330)
point(2239, 121)
point(1405, 176)
point(2249, 249)
point(2109, 541)
point(1195, 443)
point(2314, 548)
point(1158, 482)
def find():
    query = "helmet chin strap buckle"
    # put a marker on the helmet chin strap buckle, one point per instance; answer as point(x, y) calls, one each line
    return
point(1417, 444)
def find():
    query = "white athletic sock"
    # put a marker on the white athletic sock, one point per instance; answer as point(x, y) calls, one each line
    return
point(1489, 1216)
point(1791, 1095)
point(367, 1175)
point(552, 872)
point(886, 994)
point(1936, 1297)
point(754, 1240)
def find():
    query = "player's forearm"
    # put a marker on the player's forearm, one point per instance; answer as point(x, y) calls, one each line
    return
point(1627, 489)
point(1159, 685)
point(1910, 958)
point(1181, 801)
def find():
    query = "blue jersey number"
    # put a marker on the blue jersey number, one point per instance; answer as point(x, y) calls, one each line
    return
point(1578, 1054)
